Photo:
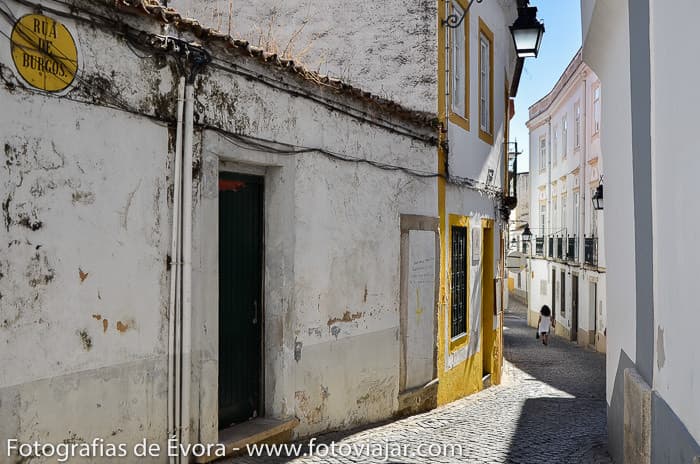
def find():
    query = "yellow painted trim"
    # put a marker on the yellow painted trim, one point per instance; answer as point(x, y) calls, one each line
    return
point(458, 119)
point(458, 341)
point(484, 29)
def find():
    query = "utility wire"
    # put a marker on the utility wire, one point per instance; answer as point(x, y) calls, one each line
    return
point(250, 142)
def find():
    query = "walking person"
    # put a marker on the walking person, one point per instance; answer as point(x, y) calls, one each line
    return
point(545, 323)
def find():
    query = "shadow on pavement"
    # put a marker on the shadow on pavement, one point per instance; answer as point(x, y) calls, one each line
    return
point(565, 419)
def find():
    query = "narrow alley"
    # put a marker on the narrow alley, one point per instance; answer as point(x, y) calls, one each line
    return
point(549, 409)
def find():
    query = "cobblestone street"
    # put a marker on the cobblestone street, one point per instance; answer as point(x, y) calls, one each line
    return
point(549, 409)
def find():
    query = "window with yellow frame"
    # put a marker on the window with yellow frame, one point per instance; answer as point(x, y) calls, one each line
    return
point(485, 83)
point(459, 280)
point(459, 67)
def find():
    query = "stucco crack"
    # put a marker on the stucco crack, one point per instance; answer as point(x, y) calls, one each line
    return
point(124, 214)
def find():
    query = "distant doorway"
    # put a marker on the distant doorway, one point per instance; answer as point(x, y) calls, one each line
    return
point(240, 297)
point(593, 298)
point(554, 293)
point(574, 308)
point(488, 299)
point(562, 294)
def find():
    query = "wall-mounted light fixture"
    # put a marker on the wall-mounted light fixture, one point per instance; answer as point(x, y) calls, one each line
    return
point(527, 30)
point(598, 198)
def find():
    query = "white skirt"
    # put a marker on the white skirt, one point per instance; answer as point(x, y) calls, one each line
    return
point(545, 324)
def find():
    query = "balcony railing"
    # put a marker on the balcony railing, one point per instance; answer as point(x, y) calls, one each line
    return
point(550, 247)
point(572, 249)
point(590, 250)
point(539, 246)
point(560, 247)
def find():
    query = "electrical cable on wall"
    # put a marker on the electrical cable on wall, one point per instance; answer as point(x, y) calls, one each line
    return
point(171, 46)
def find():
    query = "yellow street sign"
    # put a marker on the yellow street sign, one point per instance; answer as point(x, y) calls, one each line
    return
point(44, 52)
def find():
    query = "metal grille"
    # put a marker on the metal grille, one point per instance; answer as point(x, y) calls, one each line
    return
point(560, 247)
point(572, 252)
point(539, 246)
point(591, 251)
point(458, 290)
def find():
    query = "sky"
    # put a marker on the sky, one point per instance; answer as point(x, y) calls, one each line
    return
point(562, 39)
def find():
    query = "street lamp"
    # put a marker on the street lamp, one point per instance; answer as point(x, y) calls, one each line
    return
point(598, 198)
point(527, 234)
point(527, 32)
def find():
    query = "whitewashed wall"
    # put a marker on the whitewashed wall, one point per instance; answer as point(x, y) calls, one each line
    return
point(675, 188)
point(470, 157)
point(609, 28)
point(388, 48)
point(85, 295)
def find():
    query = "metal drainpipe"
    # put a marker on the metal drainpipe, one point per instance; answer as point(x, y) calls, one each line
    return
point(187, 262)
point(175, 288)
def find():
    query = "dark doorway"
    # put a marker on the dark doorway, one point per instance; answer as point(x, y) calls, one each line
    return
point(574, 308)
point(240, 297)
point(554, 293)
point(593, 298)
point(563, 293)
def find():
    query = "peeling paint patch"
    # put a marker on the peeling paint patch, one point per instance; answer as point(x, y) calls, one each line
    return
point(314, 331)
point(32, 223)
point(297, 350)
point(97, 317)
point(364, 299)
point(347, 317)
point(124, 326)
point(335, 331)
point(660, 350)
point(39, 272)
point(85, 339)
point(82, 275)
point(83, 198)
point(313, 415)
point(105, 325)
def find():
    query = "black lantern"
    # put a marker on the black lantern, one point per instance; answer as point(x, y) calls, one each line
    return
point(527, 234)
point(598, 198)
point(527, 32)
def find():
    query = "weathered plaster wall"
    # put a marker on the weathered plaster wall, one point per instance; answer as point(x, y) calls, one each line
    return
point(388, 48)
point(86, 212)
point(332, 278)
point(83, 277)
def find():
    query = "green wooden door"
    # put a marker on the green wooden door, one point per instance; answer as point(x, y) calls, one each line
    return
point(240, 297)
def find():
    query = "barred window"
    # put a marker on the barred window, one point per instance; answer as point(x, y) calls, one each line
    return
point(458, 291)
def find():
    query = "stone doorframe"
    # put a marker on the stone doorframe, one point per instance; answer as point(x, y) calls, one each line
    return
point(425, 397)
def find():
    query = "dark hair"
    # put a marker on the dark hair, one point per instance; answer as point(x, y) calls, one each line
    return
point(545, 311)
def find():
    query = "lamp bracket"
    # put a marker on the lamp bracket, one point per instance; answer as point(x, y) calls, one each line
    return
point(453, 21)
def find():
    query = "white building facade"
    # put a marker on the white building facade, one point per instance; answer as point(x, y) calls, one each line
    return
point(648, 118)
point(518, 284)
point(566, 167)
